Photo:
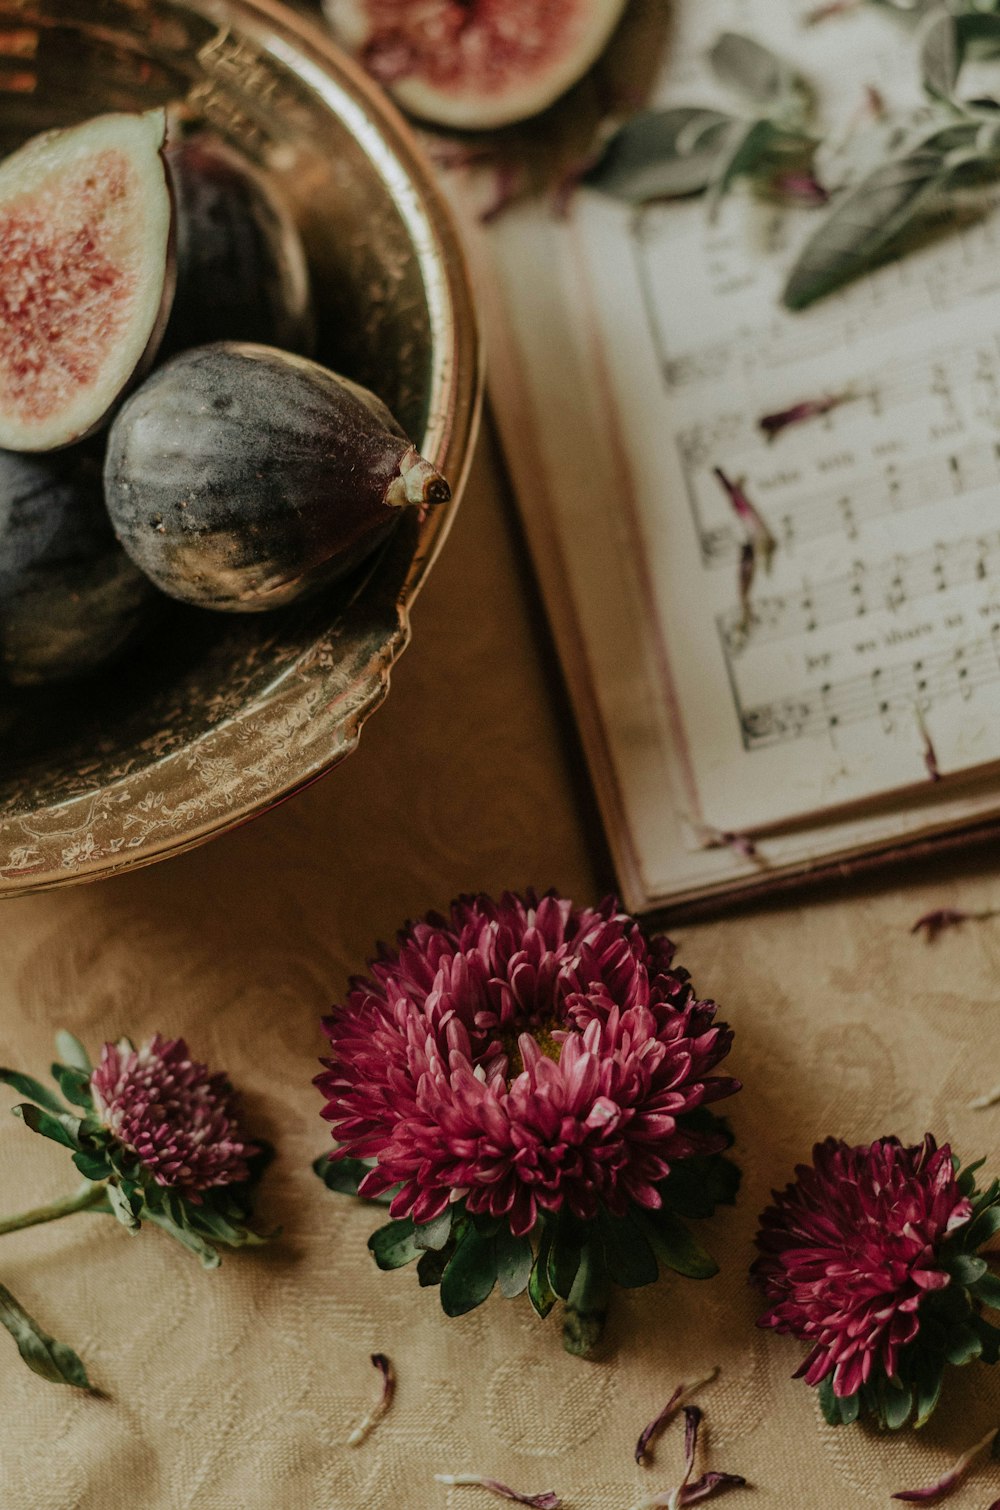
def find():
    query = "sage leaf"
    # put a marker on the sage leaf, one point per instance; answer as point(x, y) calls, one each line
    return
point(61, 1127)
point(743, 64)
point(394, 1244)
point(587, 1303)
point(471, 1274)
point(661, 154)
point(71, 1051)
point(678, 1249)
point(26, 1085)
point(946, 42)
point(964, 1344)
point(43, 1354)
point(125, 1208)
point(864, 221)
point(208, 1256)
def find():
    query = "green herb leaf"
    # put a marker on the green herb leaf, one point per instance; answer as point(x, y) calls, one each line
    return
point(434, 1234)
point(678, 1249)
point(394, 1244)
point(987, 1290)
point(25, 1085)
point(828, 1402)
point(515, 1261)
point(71, 1051)
point(984, 1226)
point(696, 1186)
point(850, 1409)
point(930, 1376)
point(52, 1360)
point(564, 1259)
point(209, 1256)
point(431, 1266)
point(897, 1404)
point(743, 64)
point(126, 1206)
point(989, 1335)
point(947, 41)
point(587, 1303)
point(630, 1259)
point(61, 1128)
point(964, 1344)
point(661, 154)
point(540, 1292)
point(74, 1084)
point(471, 1273)
point(345, 1175)
point(965, 1268)
point(92, 1166)
point(865, 221)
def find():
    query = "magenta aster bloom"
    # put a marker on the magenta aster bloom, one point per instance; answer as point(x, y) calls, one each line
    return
point(525, 1060)
point(869, 1256)
point(169, 1110)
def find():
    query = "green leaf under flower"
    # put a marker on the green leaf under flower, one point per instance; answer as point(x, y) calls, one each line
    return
point(74, 1084)
point(471, 1273)
point(679, 1250)
point(587, 1305)
point(628, 1254)
point(60, 1127)
point(515, 1260)
point(72, 1052)
point(540, 1291)
point(434, 1234)
point(395, 1245)
point(345, 1175)
point(26, 1085)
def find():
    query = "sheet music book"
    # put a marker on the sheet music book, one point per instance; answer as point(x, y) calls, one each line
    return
point(852, 705)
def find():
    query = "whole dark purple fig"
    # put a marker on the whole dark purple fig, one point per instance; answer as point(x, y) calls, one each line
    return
point(239, 477)
point(70, 598)
point(241, 268)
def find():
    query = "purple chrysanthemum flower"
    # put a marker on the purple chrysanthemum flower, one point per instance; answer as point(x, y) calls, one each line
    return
point(523, 1055)
point(851, 1250)
point(178, 1119)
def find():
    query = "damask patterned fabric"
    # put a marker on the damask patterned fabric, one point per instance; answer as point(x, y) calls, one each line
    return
point(239, 1388)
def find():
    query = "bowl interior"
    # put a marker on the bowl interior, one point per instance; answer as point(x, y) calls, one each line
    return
point(385, 287)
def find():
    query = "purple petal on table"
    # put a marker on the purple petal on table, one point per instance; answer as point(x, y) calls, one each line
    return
point(797, 414)
point(949, 1482)
point(747, 572)
point(692, 1421)
point(709, 1484)
point(547, 1500)
point(831, 8)
point(378, 1410)
point(652, 1431)
point(930, 754)
point(933, 923)
point(799, 188)
point(748, 514)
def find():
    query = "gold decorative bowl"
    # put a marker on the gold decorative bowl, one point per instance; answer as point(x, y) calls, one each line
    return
point(217, 717)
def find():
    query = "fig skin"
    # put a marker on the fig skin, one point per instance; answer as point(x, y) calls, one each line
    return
point(70, 599)
point(242, 273)
point(86, 212)
point(240, 478)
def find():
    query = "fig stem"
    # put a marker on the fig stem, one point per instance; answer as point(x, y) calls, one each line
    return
point(418, 482)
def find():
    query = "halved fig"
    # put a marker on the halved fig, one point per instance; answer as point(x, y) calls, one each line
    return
point(86, 274)
point(475, 64)
point(70, 598)
point(241, 267)
point(239, 477)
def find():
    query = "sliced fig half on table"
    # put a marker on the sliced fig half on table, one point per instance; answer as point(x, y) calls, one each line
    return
point(475, 64)
point(86, 274)
point(239, 477)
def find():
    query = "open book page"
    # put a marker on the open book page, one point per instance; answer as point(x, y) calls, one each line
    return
point(635, 353)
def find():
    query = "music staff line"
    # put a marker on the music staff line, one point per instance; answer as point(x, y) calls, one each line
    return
point(864, 590)
point(895, 488)
point(884, 693)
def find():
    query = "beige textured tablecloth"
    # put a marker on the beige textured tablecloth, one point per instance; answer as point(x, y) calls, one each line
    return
point(238, 1388)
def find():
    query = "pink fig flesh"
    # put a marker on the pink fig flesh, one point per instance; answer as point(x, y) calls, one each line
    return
point(86, 275)
point(475, 64)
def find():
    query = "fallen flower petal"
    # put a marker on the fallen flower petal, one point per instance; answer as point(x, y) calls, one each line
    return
point(748, 513)
point(810, 408)
point(956, 1473)
point(992, 1098)
point(930, 754)
point(652, 1431)
point(378, 1410)
point(747, 572)
point(709, 1484)
point(798, 188)
point(828, 11)
point(934, 923)
point(547, 1500)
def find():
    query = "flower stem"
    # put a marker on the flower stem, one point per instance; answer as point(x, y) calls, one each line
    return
point(89, 1197)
